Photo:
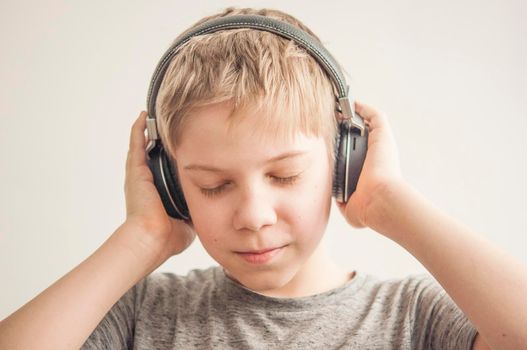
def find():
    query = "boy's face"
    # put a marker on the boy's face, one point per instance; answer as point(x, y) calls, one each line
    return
point(250, 208)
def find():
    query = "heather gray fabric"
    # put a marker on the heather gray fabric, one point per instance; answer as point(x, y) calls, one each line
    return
point(206, 309)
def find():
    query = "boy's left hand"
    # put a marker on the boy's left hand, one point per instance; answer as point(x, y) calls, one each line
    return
point(381, 167)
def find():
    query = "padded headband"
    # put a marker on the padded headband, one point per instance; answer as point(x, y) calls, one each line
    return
point(286, 30)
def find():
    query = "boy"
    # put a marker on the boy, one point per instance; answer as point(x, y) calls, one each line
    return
point(252, 136)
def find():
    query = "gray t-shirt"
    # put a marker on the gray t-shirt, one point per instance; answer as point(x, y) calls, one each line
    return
point(206, 310)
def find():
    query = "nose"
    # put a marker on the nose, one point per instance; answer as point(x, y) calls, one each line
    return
point(254, 210)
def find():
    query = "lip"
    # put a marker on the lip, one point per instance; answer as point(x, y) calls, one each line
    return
point(260, 256)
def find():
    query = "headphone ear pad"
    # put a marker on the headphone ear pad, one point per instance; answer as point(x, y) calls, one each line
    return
point(350, 154)
point(167, 184)
point(340, 162)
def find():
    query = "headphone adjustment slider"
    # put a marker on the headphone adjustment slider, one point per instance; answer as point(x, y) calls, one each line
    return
point(151, 132)
point(151, 128)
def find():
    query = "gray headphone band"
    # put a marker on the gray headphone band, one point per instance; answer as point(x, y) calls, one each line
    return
point(264, 23)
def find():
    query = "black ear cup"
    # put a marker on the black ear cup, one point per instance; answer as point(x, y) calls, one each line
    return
point(167, 184)
point(350, 153)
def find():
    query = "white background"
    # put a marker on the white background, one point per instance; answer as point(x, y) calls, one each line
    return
point(451, 75)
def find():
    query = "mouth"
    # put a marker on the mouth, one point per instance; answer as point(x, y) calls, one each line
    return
point(261, 256)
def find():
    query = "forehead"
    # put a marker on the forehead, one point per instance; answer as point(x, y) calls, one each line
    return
point(213, 132)
point(220, 122)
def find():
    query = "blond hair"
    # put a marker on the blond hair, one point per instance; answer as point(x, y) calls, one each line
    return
point(259, 72)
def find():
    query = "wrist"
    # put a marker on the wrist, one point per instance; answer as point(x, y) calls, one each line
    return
point(383, 209)
point(146, 248)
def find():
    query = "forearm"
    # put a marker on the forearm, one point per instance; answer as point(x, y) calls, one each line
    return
point(68, 311)
point(487, 284)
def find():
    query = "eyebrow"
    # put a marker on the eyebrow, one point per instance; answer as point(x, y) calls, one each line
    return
point(271, 160)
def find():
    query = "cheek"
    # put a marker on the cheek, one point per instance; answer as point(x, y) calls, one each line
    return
point(209, 225)
point(209, 222)
point(209, 217)
point(309, 209)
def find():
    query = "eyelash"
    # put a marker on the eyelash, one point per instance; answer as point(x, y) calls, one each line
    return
point(218, 190)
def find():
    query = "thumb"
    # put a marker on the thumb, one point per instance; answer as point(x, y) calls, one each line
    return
point(346, 209)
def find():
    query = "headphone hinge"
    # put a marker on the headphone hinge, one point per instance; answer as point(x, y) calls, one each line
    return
point(349, 113)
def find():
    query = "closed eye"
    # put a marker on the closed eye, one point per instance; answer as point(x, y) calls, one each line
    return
point(212, 192)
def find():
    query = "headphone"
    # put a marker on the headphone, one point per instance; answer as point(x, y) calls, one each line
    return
point(352, 134)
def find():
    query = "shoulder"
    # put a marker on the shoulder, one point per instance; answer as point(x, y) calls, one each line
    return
point(434, 320)
point(405, 297)
point(411, 286)
point(162, 289)
point(168, 280)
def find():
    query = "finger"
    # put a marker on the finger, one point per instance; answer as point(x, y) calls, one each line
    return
point(138, 138)
point(136, 152)
point(372, 116)
point(138, 132)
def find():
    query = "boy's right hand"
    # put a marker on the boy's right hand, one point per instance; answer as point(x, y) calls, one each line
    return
point(160, 234)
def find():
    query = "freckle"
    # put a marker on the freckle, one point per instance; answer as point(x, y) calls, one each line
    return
point(503, 335)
